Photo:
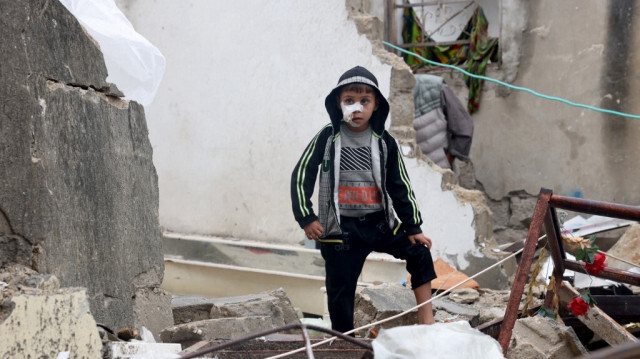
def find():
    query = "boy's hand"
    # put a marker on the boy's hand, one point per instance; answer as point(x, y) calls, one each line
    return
point(420, 238)
point(313, 230)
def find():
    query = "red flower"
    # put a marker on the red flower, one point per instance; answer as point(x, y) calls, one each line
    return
point(598, 264)
point(578, 306)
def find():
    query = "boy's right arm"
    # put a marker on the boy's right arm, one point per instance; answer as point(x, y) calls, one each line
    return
point(303, 179)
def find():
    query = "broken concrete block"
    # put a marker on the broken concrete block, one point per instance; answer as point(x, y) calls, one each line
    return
point(449, 311)
point(126, 350)
point(191, 308)
point(152, 309)
point(540, 337)
point(274, 304)
point(627, 247)
point(79, 188)
point(383, 301)
point(214, 329)
point(464, 295)
point(46, 282)
point(43, 325)
point(489, 314)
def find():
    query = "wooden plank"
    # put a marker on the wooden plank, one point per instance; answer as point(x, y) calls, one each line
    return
point(597, 320)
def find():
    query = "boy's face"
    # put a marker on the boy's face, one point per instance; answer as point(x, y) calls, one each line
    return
point(369, 104)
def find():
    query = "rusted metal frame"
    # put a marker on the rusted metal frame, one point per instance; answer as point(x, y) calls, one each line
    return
point(275, 330)
point(557, 253)
point(511, 313)
point(607, 273)
point(606, 209)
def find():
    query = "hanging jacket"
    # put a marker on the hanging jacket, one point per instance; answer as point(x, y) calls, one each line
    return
point(323, 153)
point(441, 122)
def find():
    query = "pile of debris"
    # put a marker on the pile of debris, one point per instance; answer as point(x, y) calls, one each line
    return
point(37, 317)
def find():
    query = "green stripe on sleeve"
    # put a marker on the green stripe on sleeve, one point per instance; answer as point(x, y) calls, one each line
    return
point(405, 180)
point(302, 199)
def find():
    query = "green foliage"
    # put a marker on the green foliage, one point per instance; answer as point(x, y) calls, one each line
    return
point(545, 312)
point(587, 254)
point(586, 296)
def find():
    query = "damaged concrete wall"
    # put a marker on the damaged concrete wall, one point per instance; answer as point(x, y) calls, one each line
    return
point(78, 189)
point(239, 103)
point(581, 51)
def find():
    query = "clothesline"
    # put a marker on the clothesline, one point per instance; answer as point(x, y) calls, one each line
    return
point(518, 88)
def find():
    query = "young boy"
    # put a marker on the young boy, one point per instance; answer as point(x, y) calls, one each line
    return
point(362, 181)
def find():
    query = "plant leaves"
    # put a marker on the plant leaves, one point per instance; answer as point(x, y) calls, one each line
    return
point(580, 254)
point(545, 312)
point(586, 296)
point(590, 254)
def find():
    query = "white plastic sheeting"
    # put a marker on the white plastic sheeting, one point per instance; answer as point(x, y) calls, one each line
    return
point(133, 63)
point(437, 341)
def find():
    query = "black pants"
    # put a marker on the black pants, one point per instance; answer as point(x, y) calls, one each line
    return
point(343, 262)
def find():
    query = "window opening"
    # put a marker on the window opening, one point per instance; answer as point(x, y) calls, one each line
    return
point(454, 32)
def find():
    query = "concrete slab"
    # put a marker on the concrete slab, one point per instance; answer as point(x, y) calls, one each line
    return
point(43, 325)
point(539, 337)
point(214, 329)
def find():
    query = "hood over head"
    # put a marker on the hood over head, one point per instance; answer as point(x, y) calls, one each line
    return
point(358, 74)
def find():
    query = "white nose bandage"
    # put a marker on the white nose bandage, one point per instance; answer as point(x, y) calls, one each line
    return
point(348, 110)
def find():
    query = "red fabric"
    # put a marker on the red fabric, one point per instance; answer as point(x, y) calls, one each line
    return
point(598, 264)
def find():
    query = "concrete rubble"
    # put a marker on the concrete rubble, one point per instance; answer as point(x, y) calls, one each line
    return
point(39, 319)
point(540, 338)
point(79, 153)
point(386, 300)
point(627, 247)
point(199, 318)
point(79, 196)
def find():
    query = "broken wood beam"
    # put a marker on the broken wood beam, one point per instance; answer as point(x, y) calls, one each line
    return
point(597, 320)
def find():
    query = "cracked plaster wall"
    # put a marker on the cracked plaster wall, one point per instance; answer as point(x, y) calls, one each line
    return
point(579, 50)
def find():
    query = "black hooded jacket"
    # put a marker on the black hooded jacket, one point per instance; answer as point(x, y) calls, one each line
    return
point(323, 152)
